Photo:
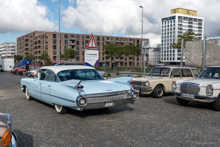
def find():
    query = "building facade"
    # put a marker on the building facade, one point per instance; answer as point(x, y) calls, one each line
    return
point(8, 49)
point(154, 55)
point(177, 23)
point(38, 41)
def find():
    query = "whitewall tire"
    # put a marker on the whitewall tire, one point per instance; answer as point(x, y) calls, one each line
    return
point(28, 96)
point(60, 109)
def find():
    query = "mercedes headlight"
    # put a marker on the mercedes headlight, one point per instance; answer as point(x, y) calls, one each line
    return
point(174, 86)
point(147, 84)
point(209, 90)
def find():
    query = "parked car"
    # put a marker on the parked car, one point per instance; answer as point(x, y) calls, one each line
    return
point(1, 68)
point(15, 70)
point(206, 88)
point(69, 63)
point(32, 73)
point(78, 87)
point(32, 67)
point(159, 79)
point(8, 137)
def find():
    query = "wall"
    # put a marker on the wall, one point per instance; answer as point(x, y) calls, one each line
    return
point(194, 53)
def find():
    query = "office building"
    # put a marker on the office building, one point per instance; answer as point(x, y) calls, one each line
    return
point(177, 23)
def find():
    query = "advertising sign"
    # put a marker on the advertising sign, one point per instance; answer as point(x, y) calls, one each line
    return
point(91, 57)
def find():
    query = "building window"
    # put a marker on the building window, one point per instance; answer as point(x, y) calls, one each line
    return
point(82, 37)
point(77, 37)
point(54, 46)
point(66, 36)
point(54, 41)
point(66, 41)
point(77, 47)
point(54, 52)
point(87, 37)
point(54, 35)
point(77, 42)
point(98, 43)
point(98, 38)
point(54, 58)
point(71, 36)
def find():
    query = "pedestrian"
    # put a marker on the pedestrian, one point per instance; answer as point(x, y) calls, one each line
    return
point(27, 68)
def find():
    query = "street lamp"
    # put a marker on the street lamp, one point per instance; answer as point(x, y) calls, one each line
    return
point(59, 36)
point(141, 38)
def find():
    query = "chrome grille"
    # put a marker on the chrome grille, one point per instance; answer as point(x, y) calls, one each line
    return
point(106, 98)
point(138, 83)
point(190, 88)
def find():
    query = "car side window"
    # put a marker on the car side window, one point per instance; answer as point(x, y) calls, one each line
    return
point(176, 73)
point(195, 72)
point(42, 74)
point(50, 76)
point(186, 73)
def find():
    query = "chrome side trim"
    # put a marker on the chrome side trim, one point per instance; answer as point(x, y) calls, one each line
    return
point(55, 96)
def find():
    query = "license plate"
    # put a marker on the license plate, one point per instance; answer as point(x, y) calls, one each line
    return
point(187, 95)
point(109, 104)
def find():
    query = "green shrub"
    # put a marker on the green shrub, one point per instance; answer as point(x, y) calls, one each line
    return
point(109, 75)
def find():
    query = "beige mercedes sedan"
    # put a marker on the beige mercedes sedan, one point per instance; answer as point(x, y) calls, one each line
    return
point(159, 80)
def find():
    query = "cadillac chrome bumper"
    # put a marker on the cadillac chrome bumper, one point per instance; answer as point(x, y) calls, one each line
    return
point(196, 98)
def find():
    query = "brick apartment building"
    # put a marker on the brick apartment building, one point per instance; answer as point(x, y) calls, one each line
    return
point(39, 41)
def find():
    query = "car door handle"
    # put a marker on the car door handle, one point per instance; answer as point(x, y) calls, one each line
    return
point(40, 83)
point(48, 85)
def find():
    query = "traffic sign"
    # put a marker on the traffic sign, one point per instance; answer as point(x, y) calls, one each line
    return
point(92, 43)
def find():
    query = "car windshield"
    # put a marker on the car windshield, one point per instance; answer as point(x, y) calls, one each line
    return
point(161, 72)
point(79, 74)
point(210, 73)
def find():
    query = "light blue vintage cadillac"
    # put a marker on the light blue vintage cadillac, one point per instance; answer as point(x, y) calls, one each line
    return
point(78, 87)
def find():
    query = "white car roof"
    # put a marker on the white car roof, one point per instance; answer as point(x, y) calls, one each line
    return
point(57, 69)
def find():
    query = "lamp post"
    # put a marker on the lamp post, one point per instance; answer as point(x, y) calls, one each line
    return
point(141, 38)
point(59, 36)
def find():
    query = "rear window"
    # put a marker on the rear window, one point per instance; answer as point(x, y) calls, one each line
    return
point(186, 73)
point(195, 72)
point(0, 65)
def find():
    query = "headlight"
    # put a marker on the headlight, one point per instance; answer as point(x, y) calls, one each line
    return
point(174, 86)
point(128, 95)
point(135, 96)
point(209, 90)
point(147, 84)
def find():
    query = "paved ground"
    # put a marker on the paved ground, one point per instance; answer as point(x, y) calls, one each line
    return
point(148, 122)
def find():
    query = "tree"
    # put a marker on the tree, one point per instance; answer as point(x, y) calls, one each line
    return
point(29, 57)
point(113, 50)
point(17, 58)
point(45, 58)
point(69, 54)
point(187, 36)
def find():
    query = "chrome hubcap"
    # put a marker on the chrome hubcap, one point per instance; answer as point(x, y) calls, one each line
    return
point(160, 91)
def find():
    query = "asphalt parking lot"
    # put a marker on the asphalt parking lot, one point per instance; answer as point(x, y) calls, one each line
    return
point(148, 122)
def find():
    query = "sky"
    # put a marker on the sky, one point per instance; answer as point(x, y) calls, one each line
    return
point(100, 17)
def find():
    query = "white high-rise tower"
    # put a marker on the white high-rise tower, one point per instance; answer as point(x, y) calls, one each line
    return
point(180, 21)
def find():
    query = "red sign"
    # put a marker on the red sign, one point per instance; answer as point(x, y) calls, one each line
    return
point(92, 43)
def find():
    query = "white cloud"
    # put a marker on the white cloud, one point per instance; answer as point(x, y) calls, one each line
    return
point(124, 16)
point(24, 16)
